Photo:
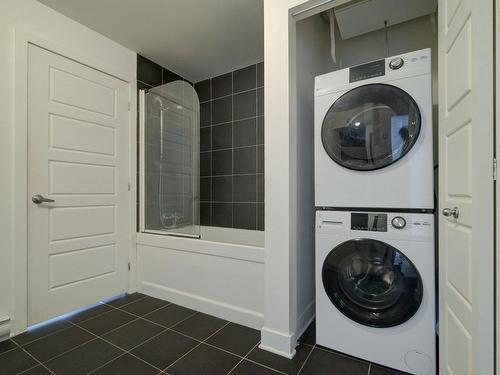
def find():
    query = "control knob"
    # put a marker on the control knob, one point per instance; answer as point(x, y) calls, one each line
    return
point(398, 222)
point(396, 63)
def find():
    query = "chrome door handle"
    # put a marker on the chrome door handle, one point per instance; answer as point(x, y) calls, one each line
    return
point(37, 199)
point(451, 212)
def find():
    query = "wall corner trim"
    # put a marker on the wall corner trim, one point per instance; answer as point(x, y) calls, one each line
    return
point(277, 342)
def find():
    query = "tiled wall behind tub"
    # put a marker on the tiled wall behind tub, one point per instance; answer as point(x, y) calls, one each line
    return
point(232, 149)
point(149, 75)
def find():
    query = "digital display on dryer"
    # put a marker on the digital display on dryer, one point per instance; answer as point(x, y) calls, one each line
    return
point(367, 71)
point(369, 222)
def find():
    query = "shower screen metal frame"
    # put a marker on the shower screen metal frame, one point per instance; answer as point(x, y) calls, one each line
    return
point(142, 165)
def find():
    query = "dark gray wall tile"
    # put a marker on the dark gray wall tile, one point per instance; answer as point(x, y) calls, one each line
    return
point(222, 214)
point(245, 160)
point(245, 216)
point(206, 189)
point(245, 79)
point(206, 139)
point(222, 188)
point(205, 213)
point(222, 136)
point(205, 114)
point(245, 133)
point(260, 159)
point(148, 71)
point(203, 90)
point(260, 130)
point(222, 163)
point(260, 101)
point(222, 110)
point(222, 85)
point(245, 105)
point(260, 188)
point(260, 216)
point(260, 74)
point(205, 164)
point(169, 76)
point(245, 188)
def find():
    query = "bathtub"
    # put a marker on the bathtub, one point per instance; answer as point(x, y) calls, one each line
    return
point(221, 274)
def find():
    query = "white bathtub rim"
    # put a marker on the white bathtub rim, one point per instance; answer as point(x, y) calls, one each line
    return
point(221, 249)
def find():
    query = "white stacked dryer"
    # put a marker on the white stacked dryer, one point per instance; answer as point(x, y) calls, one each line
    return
point(374, 196)
point(373, 135)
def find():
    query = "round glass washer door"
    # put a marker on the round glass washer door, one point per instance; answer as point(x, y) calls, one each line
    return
point(371, 127)
point(372, 283)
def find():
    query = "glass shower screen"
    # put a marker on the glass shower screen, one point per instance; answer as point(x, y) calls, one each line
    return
point(169, 160)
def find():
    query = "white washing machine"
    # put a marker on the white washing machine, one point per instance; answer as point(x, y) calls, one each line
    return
point(373, 134)
point(375, 291)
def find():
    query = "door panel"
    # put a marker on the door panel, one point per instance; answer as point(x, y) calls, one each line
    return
point(466, 126)
point(79, 157)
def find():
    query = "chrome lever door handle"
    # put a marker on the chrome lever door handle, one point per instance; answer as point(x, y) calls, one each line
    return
point(37, 199)
point(451, 212)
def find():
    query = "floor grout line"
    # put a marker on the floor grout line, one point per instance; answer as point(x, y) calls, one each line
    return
point(199, 343)
point(125, 352)
point(37, 360)
point(126, 304)
point(307, 358)
point(242, 359)
point(43, 337)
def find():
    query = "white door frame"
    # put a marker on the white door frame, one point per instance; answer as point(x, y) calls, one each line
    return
point(23, 38)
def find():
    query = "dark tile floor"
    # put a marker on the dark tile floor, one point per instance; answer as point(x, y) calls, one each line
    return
point(137, 334)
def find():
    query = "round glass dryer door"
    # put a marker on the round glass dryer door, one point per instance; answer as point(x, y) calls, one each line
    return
point(371, 127)
point(372, 283)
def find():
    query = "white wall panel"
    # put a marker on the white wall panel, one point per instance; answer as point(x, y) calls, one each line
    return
point(218, 284)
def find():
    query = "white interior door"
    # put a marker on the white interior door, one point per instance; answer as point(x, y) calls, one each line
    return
point(466, 124)
point(78, 145)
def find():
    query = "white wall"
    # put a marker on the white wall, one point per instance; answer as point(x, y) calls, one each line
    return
point(31, 17)
point(312, 58)
point(221, 279)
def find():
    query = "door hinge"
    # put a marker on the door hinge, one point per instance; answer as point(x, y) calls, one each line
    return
point(495, 169)
point(129, 266)
point(129, 106)
point(129, 186)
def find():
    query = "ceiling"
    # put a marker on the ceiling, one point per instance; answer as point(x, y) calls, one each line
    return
point(196, 39)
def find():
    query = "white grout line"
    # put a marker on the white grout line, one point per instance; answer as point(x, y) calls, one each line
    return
point(369, 369)
point(242, 359)
point(39, 362)
point(199, 343)
point(307, 358)
point(232, 93)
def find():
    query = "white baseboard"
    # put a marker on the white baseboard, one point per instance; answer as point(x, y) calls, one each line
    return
point(249, 318)
point(277, 342)
point(284, 344)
